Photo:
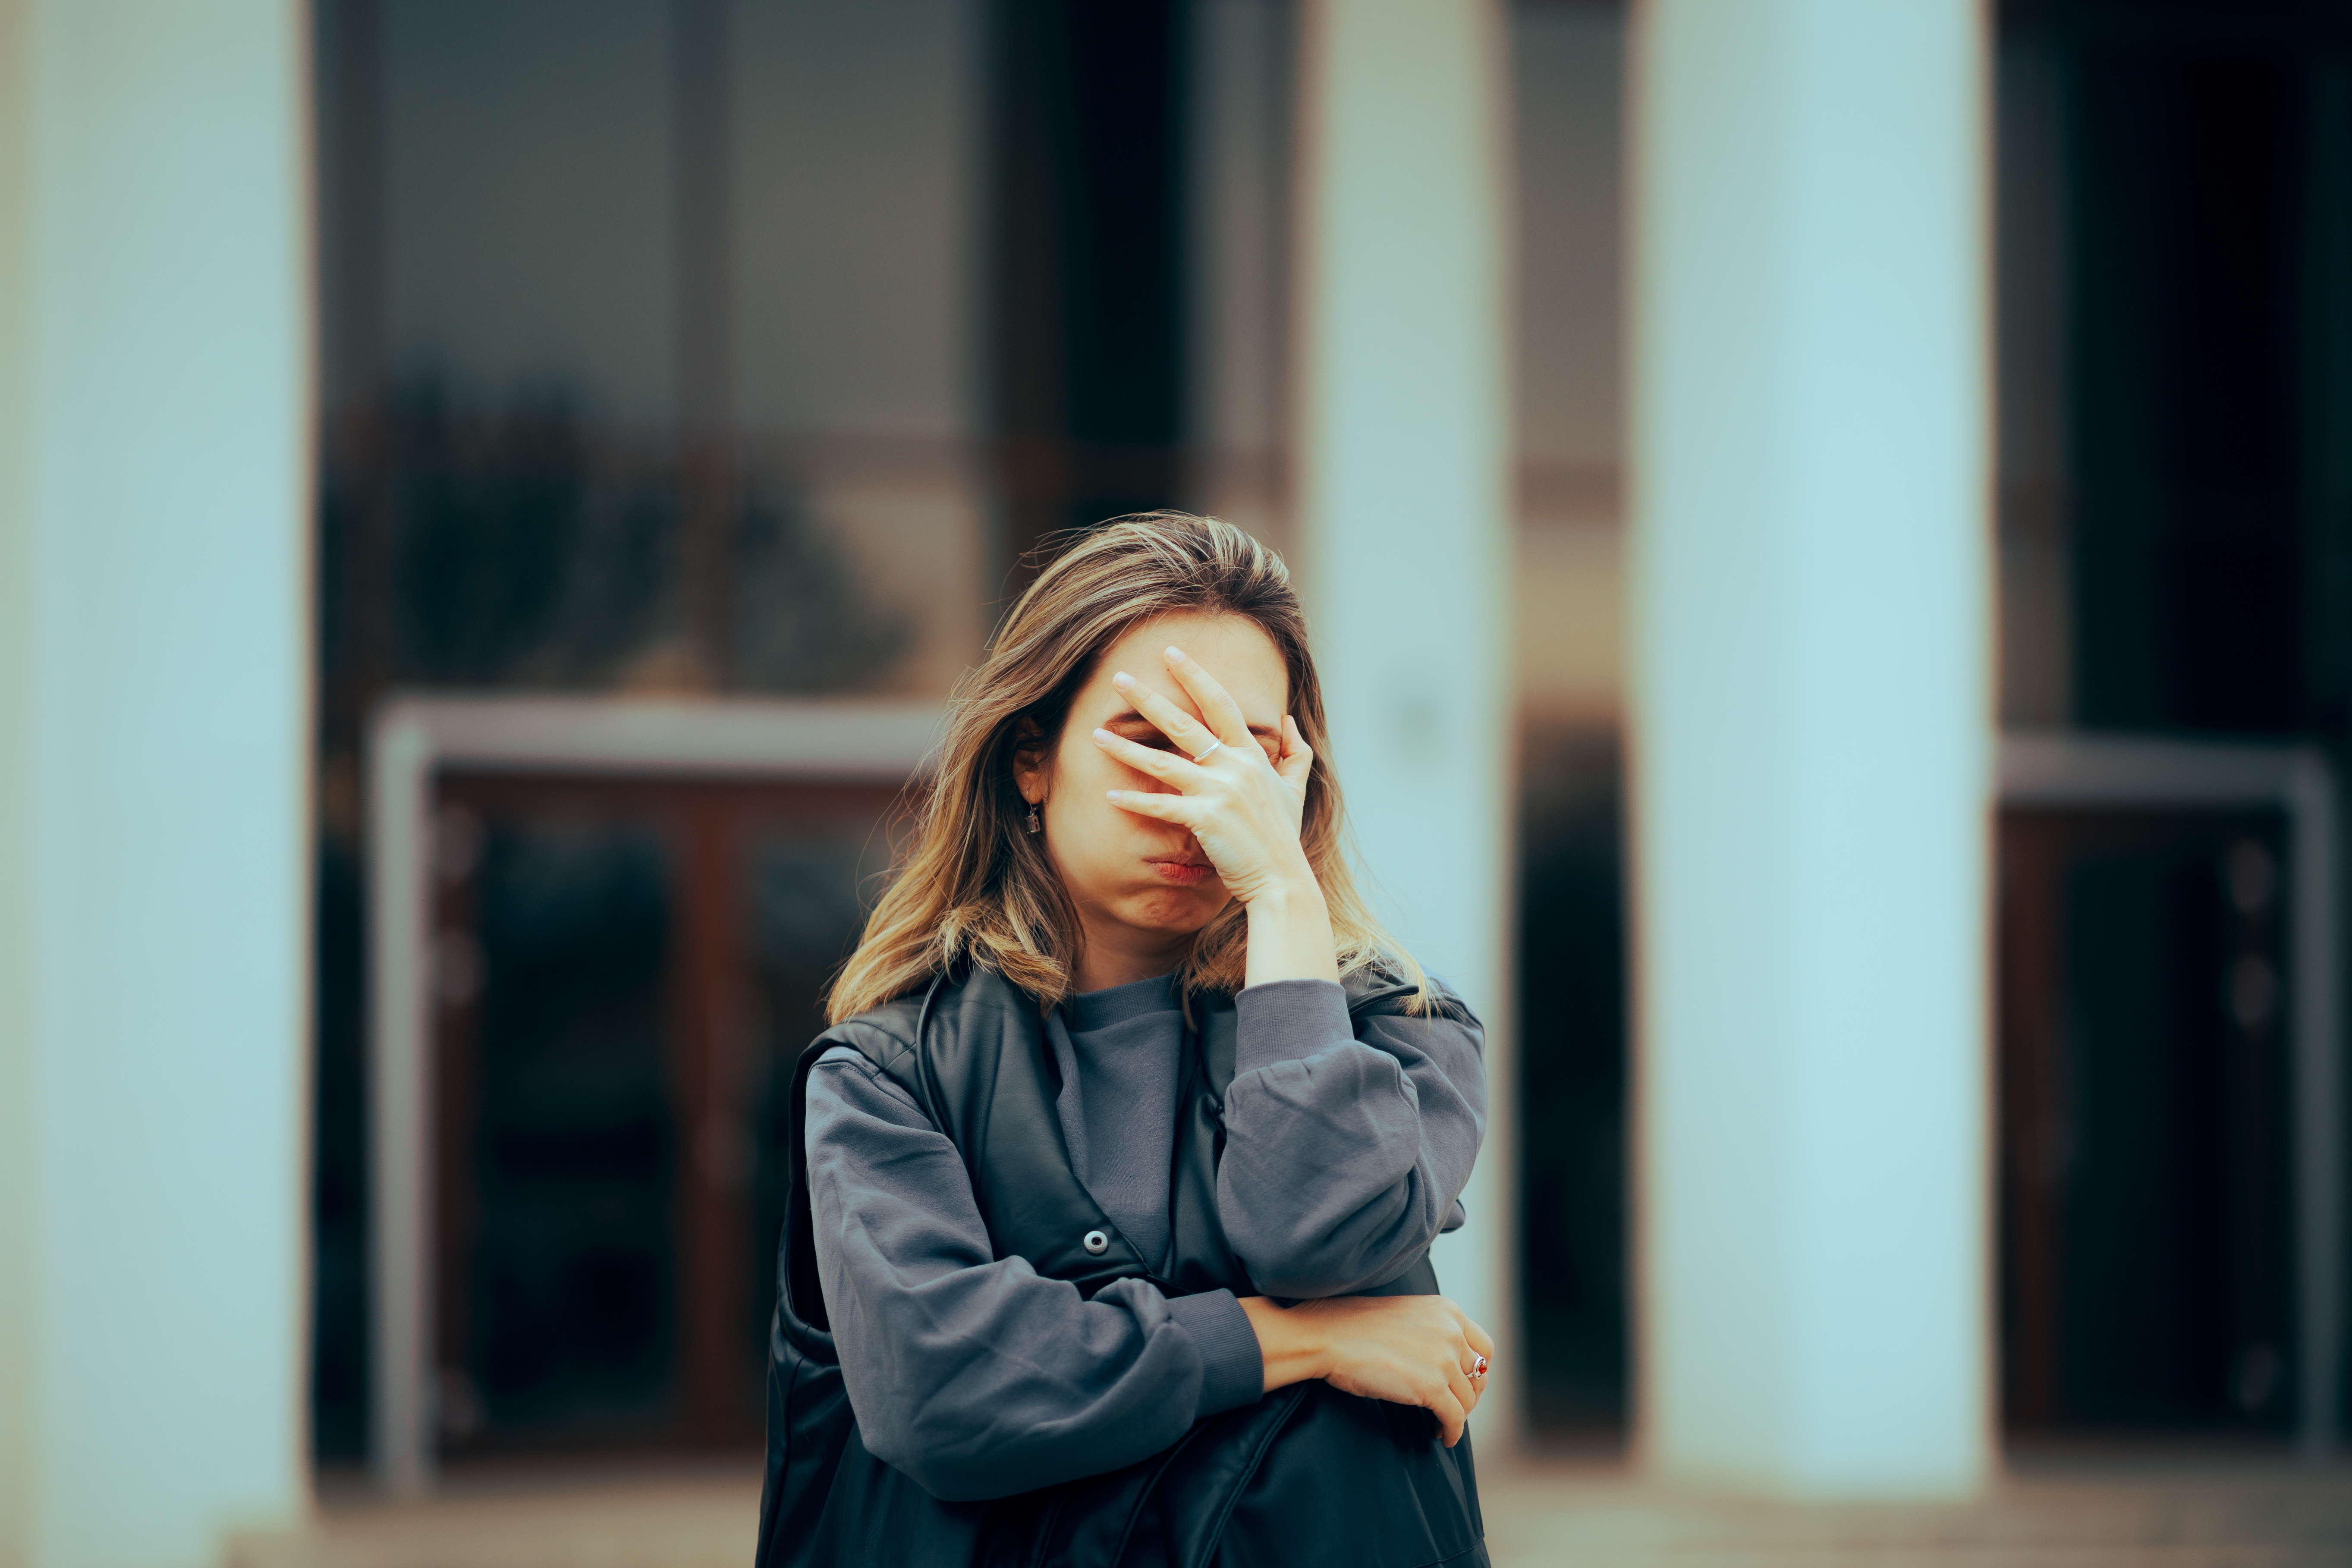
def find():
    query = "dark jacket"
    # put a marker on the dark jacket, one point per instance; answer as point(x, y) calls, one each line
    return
point(1305, 1475)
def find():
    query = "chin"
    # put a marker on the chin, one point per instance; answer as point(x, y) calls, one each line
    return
point(1178, 909)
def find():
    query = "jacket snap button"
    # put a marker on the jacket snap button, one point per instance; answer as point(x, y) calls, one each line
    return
point(1096, 1243)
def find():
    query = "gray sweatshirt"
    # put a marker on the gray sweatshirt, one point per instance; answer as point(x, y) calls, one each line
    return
point(1346, 1148)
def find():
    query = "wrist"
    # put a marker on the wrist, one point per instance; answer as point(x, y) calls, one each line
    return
point(1289, 932)
point(1292, 1345)
point(1292, 891)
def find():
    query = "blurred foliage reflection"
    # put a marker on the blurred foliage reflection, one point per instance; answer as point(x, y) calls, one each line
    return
point(529, 549)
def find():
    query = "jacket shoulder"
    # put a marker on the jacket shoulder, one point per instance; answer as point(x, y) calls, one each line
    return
point(947, 1015)
point(1377, 989)
point(881, 1035)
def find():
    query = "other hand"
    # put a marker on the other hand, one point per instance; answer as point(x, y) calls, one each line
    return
point(1407, 1350)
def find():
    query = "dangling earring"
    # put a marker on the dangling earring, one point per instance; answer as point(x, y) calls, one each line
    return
point(1035, 824)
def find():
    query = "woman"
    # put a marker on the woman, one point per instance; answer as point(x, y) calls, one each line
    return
point(1115, 1179)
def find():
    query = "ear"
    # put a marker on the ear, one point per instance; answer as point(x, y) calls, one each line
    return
point(1031, 767)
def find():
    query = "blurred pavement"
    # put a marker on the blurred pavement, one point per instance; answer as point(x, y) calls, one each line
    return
point(2219, 1512)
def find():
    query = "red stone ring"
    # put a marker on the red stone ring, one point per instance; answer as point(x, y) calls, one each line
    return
point(1479, 1370)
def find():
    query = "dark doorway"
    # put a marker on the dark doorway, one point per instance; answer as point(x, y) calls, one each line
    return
point(2147, 1216)
point(627, 970)
point(1572, 1059)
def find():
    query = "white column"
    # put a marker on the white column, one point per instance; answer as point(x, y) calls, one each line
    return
point(1812, 739)
point(154, 370)
point(1403, 495)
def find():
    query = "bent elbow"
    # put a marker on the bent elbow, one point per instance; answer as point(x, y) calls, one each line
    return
point(957, 1483)
point(1305, 1266)
point(947, 1463)
point(1303, 1284)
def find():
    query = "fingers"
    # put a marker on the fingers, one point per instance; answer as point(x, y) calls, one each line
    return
point(1468, 1371)
point(1465, 1389)
point(1476, 1353)
point(1166, 766)
point(1475, 1336)
point(1451, 1416)
point(1297, 760)
point(1188, 733)
point(1217, 706)
point(1174, 808)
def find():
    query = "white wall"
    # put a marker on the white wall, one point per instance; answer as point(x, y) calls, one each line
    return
point(153, 503)
point(19, 908)
point(1810, 743)
point(1403, 451)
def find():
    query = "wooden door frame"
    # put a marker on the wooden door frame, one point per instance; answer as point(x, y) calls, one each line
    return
point(411, 740)
point(2094, 772)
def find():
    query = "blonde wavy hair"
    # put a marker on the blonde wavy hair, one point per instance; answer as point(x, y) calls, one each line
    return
point(973, 886)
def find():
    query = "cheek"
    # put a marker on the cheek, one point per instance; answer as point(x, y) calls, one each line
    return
point(1091, 844)
point(1076, 808)
point(1081, 815)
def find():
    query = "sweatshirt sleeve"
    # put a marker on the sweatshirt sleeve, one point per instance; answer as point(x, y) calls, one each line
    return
point(974, 1375)
point(1347, 1143)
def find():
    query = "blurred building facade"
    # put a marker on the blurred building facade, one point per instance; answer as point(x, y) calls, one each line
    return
point(682, 355)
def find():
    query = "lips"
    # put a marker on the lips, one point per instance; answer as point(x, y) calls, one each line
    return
point(1184, 873)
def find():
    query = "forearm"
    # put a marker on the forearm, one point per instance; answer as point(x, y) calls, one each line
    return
point(1027, 1386)
point(1335, 1230)
point(973, 1373)
point(1343, 1156)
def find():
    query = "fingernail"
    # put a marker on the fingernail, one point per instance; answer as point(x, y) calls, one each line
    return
point(1122, 681)
point(1114, 795)
point(1103, 735)
point(1174, 653)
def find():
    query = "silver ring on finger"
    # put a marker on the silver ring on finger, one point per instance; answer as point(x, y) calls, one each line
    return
point(1480, 1369)
point(1204, 756)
